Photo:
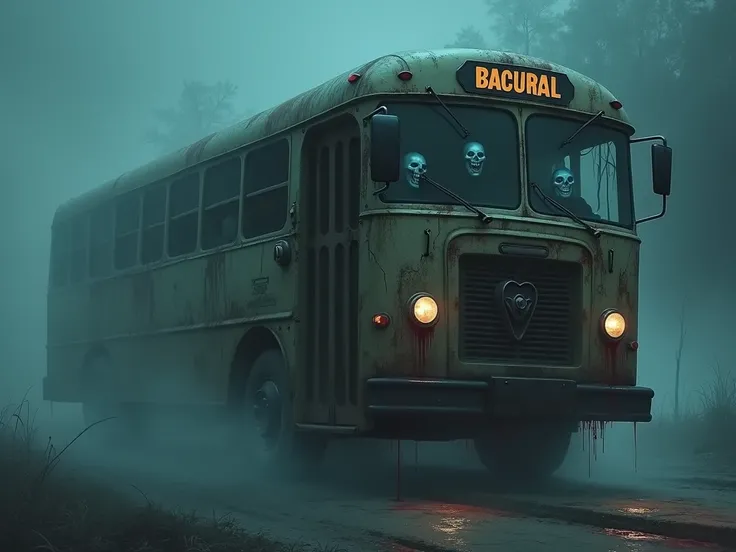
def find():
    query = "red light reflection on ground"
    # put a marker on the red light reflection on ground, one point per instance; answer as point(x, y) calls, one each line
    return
point(445, 509)
point(638, 536)
point(673, 510)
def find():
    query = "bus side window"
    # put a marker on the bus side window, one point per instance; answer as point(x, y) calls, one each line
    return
point(183, 215)
point(154, 220)
point(266, 189)
point(127, 221)
point(101, 242)
point(220, 201)
point(60, 253)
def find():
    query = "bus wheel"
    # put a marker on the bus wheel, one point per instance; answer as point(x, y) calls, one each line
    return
point(523, 452)
point(269, 415)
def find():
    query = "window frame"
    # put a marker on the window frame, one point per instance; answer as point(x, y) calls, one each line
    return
point(246, 195)
point(119, 200)
point(607, 124)
point(197, 210)
point(147, 191)
point(464, 103)
point(239, 198)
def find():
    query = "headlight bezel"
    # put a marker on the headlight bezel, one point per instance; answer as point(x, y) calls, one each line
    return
point(605, 315)
point(411, 312)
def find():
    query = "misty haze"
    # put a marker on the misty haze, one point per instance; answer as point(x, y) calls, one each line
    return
point(367, 276)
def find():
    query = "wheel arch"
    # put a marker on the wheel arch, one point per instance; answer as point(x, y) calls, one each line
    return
point(255, 341)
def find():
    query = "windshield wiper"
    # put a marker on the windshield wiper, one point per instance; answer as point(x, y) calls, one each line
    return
point(580, 129)
point(481, 215)
point(596, 233)
point(464, 133)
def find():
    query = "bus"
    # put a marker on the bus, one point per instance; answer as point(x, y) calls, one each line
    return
point(436, 245)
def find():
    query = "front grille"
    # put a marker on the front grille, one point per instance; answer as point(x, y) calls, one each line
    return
point(553, 337)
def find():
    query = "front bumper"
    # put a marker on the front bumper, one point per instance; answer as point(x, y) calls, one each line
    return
point(456, 409)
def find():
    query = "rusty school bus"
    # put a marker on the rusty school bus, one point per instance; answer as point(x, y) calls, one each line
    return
point(436, 245)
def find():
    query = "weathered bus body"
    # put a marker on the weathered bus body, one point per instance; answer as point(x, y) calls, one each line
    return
point(262, 265)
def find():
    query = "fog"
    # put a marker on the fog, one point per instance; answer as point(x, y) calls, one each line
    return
point(80, 82)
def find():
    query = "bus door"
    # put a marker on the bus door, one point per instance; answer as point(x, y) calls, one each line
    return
point(328, 300)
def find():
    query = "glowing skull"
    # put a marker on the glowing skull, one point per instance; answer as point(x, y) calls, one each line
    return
point(563, 181)
point(475, 155)
point(415, 165)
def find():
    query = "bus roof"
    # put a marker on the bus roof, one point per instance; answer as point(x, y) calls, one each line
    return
point(435, 68)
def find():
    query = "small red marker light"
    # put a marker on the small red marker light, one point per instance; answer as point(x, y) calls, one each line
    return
point(405, 76)
point(615, 104)
point(381, 320)
point(634, 345)
point(354, 77)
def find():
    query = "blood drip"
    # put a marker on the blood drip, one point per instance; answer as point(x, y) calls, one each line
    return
point(635, 462)
point(398, 470)
point(593, 431)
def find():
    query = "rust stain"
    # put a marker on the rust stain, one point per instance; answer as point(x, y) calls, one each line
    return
point(598, 259)
point(624, 293)
point(555, 249)
point(214, 285)
point(586, 262)
point(503, 224)
point(453, 251)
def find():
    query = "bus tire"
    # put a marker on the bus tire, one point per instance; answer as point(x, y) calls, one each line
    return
point(269, 417)
point(525, 453)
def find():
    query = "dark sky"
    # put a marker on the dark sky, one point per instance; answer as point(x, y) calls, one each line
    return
point(79, 80)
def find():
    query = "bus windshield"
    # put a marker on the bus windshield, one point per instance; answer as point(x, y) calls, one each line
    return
point(590, 176)
point(483, 168)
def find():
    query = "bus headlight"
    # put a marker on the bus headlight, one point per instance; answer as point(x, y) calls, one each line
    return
point(613, 324)
point(423, 309)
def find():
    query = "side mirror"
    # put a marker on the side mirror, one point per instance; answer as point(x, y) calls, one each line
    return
point(385, 148)
point(661, 169)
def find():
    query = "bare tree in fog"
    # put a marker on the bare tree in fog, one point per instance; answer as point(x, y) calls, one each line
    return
point(469, 37)
point(201, 110)
point(678, 361)
point(523, 25)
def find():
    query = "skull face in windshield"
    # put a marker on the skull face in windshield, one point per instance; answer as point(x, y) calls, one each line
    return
point(475, 156)
point(415, 165)
point(562, 181)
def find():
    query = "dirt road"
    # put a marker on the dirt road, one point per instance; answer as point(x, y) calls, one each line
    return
point(446, 502)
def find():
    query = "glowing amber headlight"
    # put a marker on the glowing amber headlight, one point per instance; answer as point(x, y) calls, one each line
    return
point(613, 324)
point(423, 309)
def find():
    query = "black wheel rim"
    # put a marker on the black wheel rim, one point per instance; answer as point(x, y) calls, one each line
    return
point(267, 412)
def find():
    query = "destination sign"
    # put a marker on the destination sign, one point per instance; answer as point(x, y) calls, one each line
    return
point(514, 82)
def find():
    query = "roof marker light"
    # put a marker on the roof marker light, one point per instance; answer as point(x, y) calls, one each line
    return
point(615, 104)
point(405, 75)
point(354, 77)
